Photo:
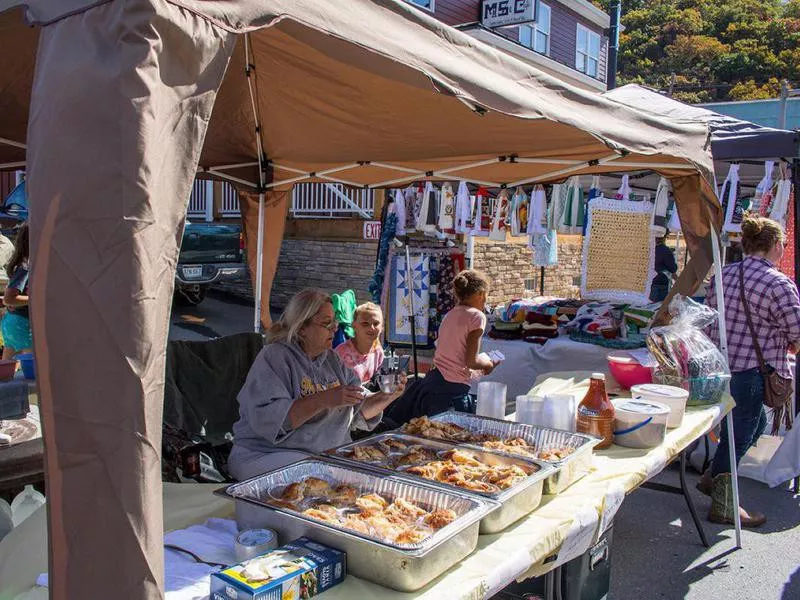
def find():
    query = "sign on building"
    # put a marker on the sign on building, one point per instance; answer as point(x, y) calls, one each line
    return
point(372, 230)
point(499, 13)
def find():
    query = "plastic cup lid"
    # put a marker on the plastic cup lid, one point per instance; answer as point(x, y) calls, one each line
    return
point(255, 537)
point(657, 389)
point(642, 408)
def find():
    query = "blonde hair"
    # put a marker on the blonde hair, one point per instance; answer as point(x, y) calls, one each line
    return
point(367, 307)
point(298, 313)
point(760, 234)
point(470, 282)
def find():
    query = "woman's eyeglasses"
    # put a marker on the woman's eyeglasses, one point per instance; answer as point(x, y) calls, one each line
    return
point(333, 326)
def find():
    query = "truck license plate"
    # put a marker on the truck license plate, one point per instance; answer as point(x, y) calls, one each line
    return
point(192, 272)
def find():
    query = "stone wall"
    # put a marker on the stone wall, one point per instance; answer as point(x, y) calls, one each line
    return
point(333, 266)
point(509, 264)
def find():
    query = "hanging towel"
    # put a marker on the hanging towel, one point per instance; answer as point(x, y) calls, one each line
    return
point(624, 191)
point(500, 219)
point(764, 187)
point(447, 211)
point(520, 207)
point(555, 205)
point(410, 195)
point(537, 216)
point(545, 248)
point(398, 208)
point(728, 198)
point(428, 214)
point(574, 207)
point(780, 203)
point(595, 191)
point(674, 224)
point(464, 208)
point(660, 208)
point(482, 220)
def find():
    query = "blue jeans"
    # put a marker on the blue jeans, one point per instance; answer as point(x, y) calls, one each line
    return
point(749, 419)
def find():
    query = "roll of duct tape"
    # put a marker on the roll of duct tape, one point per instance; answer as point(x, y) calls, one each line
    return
point(255, 542)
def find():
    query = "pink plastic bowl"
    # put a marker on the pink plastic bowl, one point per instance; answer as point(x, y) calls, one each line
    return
point(627, 371)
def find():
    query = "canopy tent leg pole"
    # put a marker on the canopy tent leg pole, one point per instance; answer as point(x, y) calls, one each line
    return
point(541, 281)
point(796, 208)
point(723, 342)
point(470, 251)
point(412, 316)
point(259, 264)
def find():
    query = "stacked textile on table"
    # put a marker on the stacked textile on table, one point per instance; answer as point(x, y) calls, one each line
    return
point(539, 328)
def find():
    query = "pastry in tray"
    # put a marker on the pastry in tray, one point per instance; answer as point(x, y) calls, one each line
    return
point(397, 521)
point(424, 427)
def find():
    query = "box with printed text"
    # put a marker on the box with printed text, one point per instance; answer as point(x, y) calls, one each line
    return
point(298, 570)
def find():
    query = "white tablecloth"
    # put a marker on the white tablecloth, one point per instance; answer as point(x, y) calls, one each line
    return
point(525, 362)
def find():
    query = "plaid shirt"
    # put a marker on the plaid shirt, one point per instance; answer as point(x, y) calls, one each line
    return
point(775, 309)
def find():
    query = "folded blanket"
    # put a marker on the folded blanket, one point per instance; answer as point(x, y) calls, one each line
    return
point(505, 335)
point(506, 326)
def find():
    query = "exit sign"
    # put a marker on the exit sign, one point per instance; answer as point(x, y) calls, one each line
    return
point(372, 230)
point(499, 13)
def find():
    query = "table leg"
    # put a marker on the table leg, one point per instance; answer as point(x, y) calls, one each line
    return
point(690, 502)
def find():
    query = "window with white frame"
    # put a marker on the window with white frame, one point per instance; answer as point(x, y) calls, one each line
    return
point(426, 4)
point(536, 36)
point(587, 51)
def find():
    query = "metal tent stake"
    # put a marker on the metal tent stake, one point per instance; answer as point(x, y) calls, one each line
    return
point(413, 315)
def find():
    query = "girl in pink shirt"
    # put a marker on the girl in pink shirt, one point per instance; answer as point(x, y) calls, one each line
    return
point(457, 356)
point(364, 353)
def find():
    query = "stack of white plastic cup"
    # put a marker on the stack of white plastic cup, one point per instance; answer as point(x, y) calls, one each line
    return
point(560, 411)
point(491, 399)
point(530, 410)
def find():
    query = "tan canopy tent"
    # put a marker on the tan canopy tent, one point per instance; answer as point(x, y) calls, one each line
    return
point(115, 106)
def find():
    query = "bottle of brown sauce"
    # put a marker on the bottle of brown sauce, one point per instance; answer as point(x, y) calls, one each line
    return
point(596, 413)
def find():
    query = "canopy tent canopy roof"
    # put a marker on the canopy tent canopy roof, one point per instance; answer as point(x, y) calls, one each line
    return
point(343, 99)
point(731, 138)
point(131, 98)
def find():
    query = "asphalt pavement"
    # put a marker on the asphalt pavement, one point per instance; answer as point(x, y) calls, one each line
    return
point(656, 552)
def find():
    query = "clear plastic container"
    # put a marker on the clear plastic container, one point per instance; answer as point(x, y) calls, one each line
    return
point(26, 503)
point(6, 519)
point(530, 410)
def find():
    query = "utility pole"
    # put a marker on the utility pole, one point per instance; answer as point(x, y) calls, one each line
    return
point(613, 50)
point(786, 93)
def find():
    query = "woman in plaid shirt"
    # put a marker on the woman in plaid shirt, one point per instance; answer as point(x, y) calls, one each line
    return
point(775, 309)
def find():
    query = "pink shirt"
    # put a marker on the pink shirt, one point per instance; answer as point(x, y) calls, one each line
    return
point(364, 365)
point(451, 347)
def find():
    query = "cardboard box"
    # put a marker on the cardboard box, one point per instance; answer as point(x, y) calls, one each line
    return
point(301, 569)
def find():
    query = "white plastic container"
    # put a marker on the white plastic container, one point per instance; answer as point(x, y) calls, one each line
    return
point(25, 504)
point(491, 400)
point(672, 396)
point(6, 519)
point(640, 424)
point(530, 410)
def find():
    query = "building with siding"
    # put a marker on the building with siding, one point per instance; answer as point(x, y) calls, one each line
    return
point(568, 40)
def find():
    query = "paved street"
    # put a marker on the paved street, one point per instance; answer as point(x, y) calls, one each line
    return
point(656, 553)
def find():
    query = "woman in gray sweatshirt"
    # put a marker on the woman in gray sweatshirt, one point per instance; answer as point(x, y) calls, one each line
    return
point(298, 397)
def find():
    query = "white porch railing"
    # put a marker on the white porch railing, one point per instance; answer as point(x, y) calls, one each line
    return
point(201, 200)
point(230, 201)
point(331, 201)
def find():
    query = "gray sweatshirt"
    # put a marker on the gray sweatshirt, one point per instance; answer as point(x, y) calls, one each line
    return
point(282, 373)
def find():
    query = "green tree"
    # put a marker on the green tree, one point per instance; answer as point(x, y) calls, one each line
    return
point(716, 49)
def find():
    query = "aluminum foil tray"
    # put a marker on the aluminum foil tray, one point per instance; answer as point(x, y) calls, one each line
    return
point(517, 501)
point(567, 471)
point(402, 567)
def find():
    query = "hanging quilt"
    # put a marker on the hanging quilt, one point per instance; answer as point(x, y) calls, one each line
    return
point(519, 213)
point(447, 212)
point(618, 252)
point(500, 219)
point(376, 284)
point(399, 308)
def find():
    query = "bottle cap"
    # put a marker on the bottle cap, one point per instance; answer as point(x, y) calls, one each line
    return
point(600, 376)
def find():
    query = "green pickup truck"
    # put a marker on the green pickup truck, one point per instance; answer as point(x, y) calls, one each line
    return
point(210, 253)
